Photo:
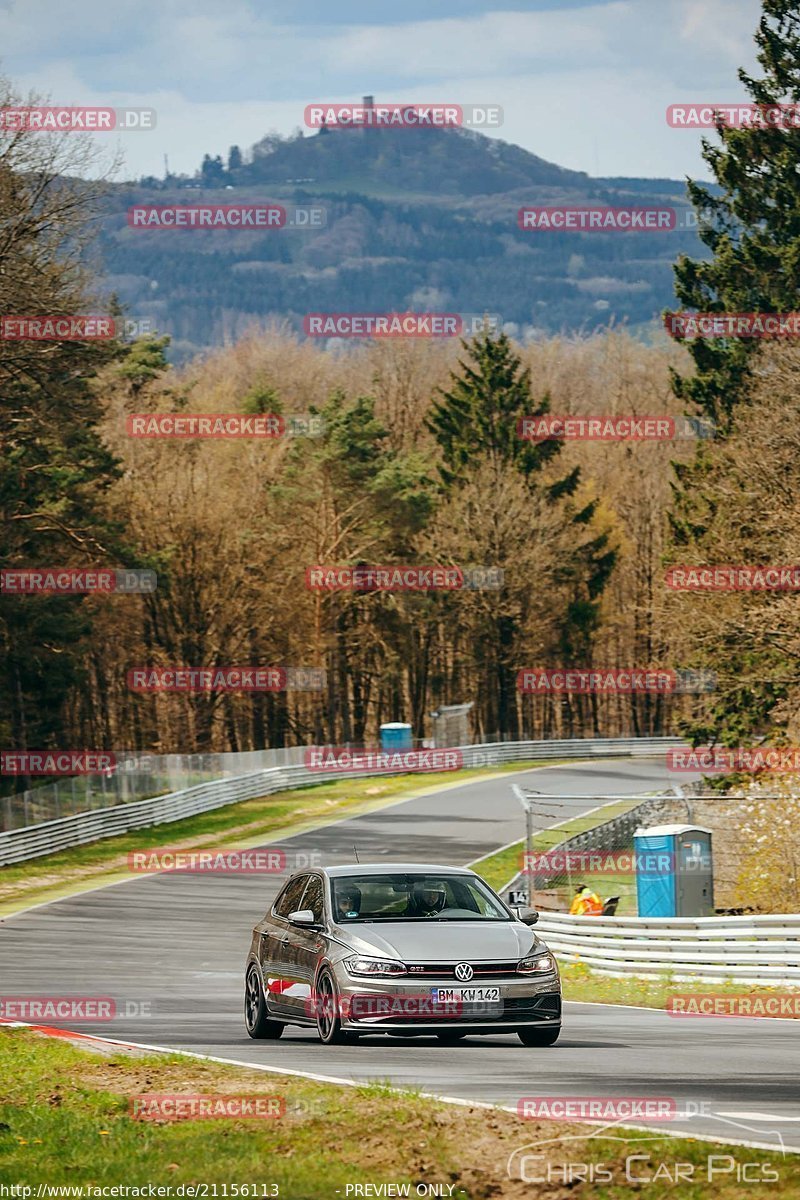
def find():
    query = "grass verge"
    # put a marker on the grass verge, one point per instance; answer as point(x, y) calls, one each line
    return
point(65, 1121)
point(581, 983)
point(236, 826)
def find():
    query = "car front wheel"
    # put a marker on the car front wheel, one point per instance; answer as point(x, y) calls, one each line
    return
point(256, 1017)
point(536, 1035)
point(329, 1027)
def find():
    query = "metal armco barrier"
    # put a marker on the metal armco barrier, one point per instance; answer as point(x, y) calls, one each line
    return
point(33, 841)
point(761, 950)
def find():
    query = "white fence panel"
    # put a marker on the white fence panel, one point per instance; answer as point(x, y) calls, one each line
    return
point(756, 950)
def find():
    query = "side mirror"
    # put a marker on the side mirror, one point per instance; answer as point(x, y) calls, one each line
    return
point(528, 916)
point(303, 916)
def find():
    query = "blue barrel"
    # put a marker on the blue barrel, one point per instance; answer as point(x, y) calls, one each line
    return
point(396, 736)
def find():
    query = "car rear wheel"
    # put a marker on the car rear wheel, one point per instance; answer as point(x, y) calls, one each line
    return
point(450, 1036)
point(536, 1035)
point(256, 1017)
point(329, 1027)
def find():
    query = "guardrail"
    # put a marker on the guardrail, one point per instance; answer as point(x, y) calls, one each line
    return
point(34, 841)
point(761, 950)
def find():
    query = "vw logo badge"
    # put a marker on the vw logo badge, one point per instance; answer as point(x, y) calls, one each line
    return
point(464, 972)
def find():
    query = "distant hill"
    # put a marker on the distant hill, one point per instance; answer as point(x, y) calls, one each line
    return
point(416, 220)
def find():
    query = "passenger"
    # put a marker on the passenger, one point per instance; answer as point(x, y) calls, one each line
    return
point(348, 903)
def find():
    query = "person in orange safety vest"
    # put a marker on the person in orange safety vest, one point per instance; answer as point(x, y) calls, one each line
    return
point(586, 903)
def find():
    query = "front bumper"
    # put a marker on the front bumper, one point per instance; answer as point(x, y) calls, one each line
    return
point(406, 1005)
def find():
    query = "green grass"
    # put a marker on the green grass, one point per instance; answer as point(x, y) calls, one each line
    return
point(234, 826)
point(64, 1121)
point(581, 983)
point(499, 868)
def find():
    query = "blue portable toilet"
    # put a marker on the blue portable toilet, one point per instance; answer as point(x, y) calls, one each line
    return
point(396, 735)
point(674, 871)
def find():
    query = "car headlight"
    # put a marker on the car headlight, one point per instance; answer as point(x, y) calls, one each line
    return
point(537, 964)
point(374, 966)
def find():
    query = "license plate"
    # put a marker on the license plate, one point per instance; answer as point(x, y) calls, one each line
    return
point(468, 995)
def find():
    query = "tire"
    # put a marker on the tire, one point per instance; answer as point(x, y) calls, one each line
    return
point(329, 1027)
point(449, 1037)
point(256, 1017)
point(538, 1035)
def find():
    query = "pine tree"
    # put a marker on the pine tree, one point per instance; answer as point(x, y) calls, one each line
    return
point(475, 424)
point(750, 222)
point(54, 468)
point(751, 225)
point(478, 416)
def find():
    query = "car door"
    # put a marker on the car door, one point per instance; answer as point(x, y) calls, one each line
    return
point(305, 946)
point(274, 951)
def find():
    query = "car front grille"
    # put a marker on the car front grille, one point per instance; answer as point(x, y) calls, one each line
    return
point(480, 970)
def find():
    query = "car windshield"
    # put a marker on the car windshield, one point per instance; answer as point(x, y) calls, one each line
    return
point(413, 897)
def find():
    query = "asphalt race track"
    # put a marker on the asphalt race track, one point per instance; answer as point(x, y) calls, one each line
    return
point(176, 943)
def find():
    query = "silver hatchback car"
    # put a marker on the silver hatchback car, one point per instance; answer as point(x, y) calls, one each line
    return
point(406, 949)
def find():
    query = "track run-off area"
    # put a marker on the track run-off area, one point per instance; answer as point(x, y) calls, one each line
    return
point(170, 950)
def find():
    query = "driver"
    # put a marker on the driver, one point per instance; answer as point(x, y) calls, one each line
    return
point(428, 898)
point(348, 902)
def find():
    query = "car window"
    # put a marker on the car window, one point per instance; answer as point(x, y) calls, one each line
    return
point(414, 896)
point(289, 899)
point(312, 897)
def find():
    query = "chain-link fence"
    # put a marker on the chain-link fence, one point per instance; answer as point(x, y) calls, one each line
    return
point(600, 858)
point(135, 777)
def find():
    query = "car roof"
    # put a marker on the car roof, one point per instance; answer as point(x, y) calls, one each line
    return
point(390, 867)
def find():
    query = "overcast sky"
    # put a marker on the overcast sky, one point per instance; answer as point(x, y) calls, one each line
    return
point(583, 83)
